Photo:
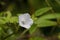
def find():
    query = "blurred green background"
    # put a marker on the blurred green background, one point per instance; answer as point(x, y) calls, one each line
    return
point(45, 14)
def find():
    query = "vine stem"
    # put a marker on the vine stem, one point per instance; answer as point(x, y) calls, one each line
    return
point(21, 35)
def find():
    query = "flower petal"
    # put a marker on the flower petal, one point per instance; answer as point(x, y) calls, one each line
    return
point(25, 20)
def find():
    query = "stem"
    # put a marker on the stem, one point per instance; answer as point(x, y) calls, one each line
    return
point(8, 36)
point(23, 33)
point(13, 33)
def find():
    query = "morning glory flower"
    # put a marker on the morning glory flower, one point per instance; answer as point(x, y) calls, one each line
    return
point(25, 20)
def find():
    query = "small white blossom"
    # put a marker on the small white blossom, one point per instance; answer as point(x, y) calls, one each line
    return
point(25, 20)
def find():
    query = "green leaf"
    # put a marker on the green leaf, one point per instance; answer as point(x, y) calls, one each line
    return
point(2, 20)
point(33, 29)
point(8, 14)
point(12, 37)
point(5, 14)
point(45, 23)
point(37, 38)
point(13, 20)
point(51, 16)
point(42, 11)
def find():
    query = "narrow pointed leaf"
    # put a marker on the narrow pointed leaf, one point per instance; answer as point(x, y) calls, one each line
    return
point(51, 16)
point(42, 11)
point(45, 23)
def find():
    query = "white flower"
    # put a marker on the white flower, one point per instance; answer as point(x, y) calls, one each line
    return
point(25, 20)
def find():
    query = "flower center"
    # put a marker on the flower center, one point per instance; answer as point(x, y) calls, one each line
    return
point(23, 22)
